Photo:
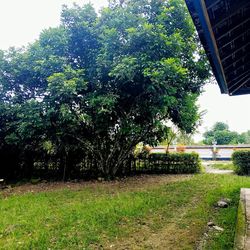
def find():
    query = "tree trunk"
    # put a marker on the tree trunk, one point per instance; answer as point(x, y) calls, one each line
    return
point(64, 165)
point(115, 162)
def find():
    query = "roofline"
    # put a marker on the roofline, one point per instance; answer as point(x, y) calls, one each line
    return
point(208, 36)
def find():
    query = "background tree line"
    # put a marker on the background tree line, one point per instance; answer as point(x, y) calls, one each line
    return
point(97, 85)
point(222, 135)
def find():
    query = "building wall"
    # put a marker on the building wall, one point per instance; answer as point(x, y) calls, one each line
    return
point(220, 152)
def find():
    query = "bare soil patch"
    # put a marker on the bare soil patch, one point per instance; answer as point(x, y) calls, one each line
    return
point(125, 184)
point(176, 233)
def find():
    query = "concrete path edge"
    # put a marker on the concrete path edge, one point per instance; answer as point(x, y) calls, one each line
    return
point(242, 232)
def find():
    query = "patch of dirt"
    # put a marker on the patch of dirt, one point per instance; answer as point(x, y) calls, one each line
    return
point(170, 233)
point(210, 170)
point(167, 238)
point(126, 184)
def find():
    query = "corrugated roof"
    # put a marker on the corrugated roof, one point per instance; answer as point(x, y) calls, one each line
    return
point(224, 30)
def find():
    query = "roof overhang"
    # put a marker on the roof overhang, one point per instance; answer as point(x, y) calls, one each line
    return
point(223, 28)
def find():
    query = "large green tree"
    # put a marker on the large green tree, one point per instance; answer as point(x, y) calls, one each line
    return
point(221, 134)
point(246, 137)
point(103, 83)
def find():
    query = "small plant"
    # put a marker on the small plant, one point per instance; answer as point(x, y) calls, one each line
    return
point(241, 160)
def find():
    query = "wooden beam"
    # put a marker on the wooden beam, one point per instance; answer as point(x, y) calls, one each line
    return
point(242, 91)
point(228, 5)
point(237, 77)
point(236, 83)
point(230, 13)
point(237, 50)
point(238, 87)
point(235, 62)
point(233, 69)
point(247, 32)
point(237, 56)
point(212, 4)
point(232, 29)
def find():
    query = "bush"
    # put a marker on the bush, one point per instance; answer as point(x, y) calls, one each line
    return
point(170, 163)
point(241, 160)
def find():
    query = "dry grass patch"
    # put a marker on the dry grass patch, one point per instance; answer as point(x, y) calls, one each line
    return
point(126, 184)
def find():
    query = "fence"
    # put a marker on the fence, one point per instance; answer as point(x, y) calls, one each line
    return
point(208, 152)
point(87, 168)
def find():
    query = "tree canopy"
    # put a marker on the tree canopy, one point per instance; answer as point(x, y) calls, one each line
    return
point(246, 137)
point(221, 134)
point(100, 84)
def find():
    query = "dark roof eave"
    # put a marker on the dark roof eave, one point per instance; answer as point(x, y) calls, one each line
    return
point(207, 38)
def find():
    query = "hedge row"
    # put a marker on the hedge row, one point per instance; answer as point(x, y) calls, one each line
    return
point(170, 163)
point(241, 160)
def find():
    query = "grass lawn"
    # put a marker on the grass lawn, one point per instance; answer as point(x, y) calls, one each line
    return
point(223, 165)
point(150, 212)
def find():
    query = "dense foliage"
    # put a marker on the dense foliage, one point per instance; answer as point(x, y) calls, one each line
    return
point(241, 160)
point(170, 163)
point(97, 85)
point(246, 137)
point(221, 134)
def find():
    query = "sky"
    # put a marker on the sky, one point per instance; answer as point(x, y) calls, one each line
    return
point(21, 22)
point(233, 110)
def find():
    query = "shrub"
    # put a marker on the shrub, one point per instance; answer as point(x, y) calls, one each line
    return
point(170, 163)
point(241, 160)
